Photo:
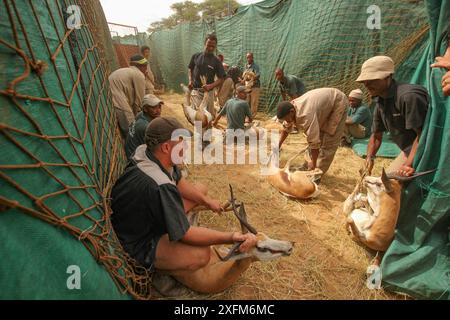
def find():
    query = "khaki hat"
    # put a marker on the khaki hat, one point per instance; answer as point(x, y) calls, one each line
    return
point(357, 94)
point(161, 130)
point(376, 68)
point(151, 100)
point(243, 89)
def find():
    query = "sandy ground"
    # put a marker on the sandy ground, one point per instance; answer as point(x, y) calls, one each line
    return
point(326, 263)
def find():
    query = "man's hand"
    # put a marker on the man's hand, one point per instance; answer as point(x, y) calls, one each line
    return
point(444, 62)
point(311, 166)
point(446, 84)
point(249, 241)
point(406, 171)
point(214, 205)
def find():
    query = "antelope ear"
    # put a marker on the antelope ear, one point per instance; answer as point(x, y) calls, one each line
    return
point(387, 184)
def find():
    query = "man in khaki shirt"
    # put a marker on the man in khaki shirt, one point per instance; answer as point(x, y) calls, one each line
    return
point(128, 89)
point(321, 113)
point(149, 77)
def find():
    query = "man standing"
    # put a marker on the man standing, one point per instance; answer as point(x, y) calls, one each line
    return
point(205, 64)
point(291, 87)
point(359, 119)
point(400, 109)
point(151, 109)
point(150, 201)
point(253, 98)
point(128, 89)
point(321, 113)
point(149, 77)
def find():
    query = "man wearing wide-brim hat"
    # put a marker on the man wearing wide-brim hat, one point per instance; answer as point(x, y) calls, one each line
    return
point(400, 109)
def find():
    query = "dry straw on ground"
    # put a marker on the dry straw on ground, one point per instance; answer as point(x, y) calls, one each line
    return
point(326, 263)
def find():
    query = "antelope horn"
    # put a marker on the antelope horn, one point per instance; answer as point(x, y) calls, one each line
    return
point(288, 164)
point(405, 179)
point(242, 214)
point(234, 250)
point(386, 182)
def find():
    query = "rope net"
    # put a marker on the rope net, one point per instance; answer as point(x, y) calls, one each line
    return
point(62, 151)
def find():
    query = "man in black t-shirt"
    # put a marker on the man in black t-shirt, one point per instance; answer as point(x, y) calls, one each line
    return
point(400, 109)
point(205, 64)
point(150, 201)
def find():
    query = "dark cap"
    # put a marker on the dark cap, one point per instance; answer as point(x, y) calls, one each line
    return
point(138, 59)
point(161, 130)
point(283, 109)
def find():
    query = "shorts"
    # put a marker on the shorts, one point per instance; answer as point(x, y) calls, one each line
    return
point(150, 257)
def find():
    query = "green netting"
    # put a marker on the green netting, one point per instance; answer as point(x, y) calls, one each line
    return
point(322, 42)
point(61, 153)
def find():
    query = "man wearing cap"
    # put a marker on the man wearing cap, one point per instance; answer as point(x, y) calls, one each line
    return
point(253, 97)
point(151, 109)
point(236, 110)
point(205, 64)
point(359, 118)
point(291, 87)
point(150, 201)
point(321, 113)
point(128, 89)
point(400, 109)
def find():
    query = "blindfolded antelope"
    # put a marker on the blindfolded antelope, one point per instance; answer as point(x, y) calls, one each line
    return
point(201, 114)
point(226, 265)
point(372, 217)
point(298, 184)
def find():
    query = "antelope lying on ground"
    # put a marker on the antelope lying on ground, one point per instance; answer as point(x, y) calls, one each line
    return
point(226, 265)
point(298, 184)
point(372, 218)
point(201, 114)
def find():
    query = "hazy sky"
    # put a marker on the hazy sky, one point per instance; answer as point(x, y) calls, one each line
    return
point(141, 13)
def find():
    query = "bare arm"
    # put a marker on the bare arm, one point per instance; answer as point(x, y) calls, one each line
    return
point(284, 135)
point(190, 192)
point(213, 85)
point(407, 168)
point(191, 82)
point(314, 157)
point(197, 236)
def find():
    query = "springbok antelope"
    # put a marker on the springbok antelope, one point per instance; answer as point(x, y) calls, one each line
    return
point(201, 114)
point(249, 78)
point(372, 218)
point(298, 184)
point(226, 265)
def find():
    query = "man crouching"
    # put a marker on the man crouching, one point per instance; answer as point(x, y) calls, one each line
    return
point(150, 202)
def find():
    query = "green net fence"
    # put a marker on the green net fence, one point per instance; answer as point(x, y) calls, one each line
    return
point(322, 42)
point(61, 155)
